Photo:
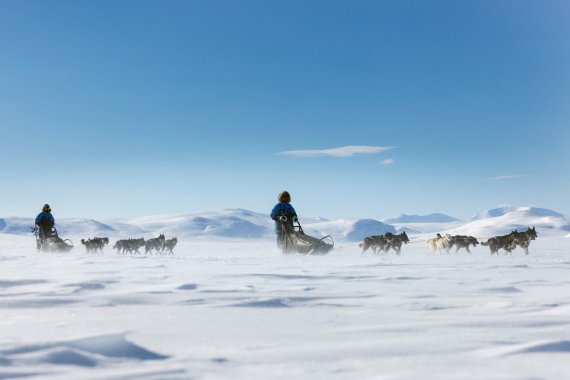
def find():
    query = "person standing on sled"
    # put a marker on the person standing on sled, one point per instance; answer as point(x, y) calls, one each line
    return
point(283, 214)
point(44, 222)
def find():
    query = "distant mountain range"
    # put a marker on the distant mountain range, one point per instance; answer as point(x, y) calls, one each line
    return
point(430, 218)
point(240, 223)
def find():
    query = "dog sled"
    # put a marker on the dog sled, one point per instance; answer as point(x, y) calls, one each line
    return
point(50, 241)
point(294, 239)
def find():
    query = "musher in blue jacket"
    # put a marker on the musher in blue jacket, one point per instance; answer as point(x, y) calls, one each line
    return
point(45, 221)
point(283, 208)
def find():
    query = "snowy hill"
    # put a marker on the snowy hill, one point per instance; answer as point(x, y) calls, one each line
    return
point(224, 223)
point(16, 225)
point(87, 227)
point(430, 218)
point(349, 229)
point(504, 220)
point(497, 212)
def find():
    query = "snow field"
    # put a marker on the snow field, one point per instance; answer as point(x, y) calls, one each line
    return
point(236, 308)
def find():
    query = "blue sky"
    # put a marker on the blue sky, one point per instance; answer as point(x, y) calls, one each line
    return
point(129, 108)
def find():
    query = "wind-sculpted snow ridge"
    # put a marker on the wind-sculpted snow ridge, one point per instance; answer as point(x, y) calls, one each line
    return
point(7, 283)
point(96, 351)
point(533, 347)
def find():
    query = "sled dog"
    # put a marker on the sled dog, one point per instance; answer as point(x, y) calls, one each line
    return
point(384, 242)
point(505, 242)
point(95, 244)
point(439, 242)
point(522, 239)
point(511, 241)
point(396, 242)
point(129, 245)
point(156, 243)
point(462, 241)
point(376, 243)
point(169, 245)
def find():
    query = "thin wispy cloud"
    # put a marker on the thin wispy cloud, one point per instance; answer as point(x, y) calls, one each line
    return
point(388, 161)
point(503, 177)
point(343, 151)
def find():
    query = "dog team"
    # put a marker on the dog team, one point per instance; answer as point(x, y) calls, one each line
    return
point(383, 243)
point(159, 245)
point(377, 243)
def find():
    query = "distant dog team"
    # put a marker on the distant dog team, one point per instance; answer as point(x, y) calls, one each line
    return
point(383, 243)
point(378, 243)
point(159, 245)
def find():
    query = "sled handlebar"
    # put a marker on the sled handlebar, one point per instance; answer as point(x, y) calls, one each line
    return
point(283, 218)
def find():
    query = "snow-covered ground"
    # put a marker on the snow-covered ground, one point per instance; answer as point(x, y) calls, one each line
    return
point(226, 307)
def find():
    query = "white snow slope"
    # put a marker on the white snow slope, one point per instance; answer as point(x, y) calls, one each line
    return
point(224, 307)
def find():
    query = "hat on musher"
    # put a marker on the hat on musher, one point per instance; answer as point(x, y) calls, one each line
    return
point(46, 208)
point(284, 196)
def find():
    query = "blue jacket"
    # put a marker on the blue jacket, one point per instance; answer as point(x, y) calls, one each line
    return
point(281, 208)
point(45, 219)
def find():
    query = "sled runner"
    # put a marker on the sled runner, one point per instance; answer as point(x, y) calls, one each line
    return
point(294, 240)
point(51, 242)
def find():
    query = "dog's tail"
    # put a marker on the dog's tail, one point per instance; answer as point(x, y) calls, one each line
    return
point(366, 242)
